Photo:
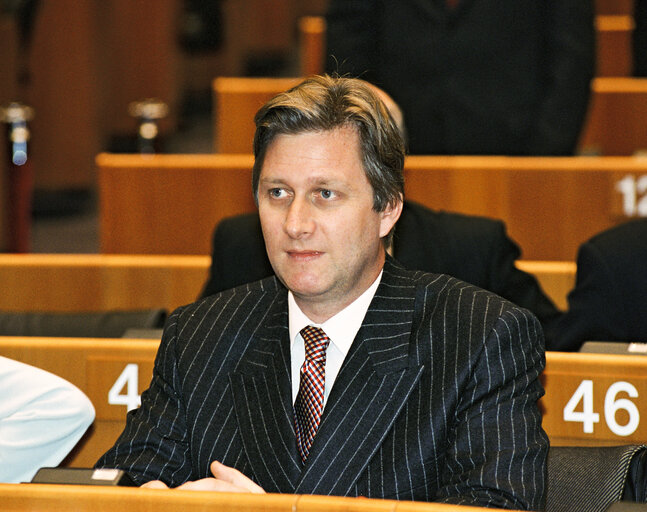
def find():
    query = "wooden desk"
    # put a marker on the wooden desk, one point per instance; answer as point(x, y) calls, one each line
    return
point(602, 394)
point(557, 278)
point(99, 282)
point(236, 101)
point(94, 366)
point(614, 47)
point(312, 45)
point(169, 204)
point(616, 118)
point(113, 372)
point(625, 7)
point(58, 498)
point(550, 205)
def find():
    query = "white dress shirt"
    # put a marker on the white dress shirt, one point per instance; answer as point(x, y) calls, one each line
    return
point(41, 419)
point(341, 329)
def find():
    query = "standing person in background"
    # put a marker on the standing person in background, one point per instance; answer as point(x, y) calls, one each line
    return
point(473, 76)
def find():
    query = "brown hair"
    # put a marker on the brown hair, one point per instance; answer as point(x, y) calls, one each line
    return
point(322, 103)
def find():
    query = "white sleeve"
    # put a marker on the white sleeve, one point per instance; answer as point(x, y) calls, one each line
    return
point(42, 417)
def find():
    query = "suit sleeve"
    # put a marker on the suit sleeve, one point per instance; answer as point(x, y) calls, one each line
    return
point(570, 67)
point(497, 455)
point(514, 284)
point(154, 444)
point(351, 37)
point(591, 304)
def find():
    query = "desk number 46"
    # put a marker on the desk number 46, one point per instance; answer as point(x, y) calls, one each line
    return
point(584, 394)
point(128, 379)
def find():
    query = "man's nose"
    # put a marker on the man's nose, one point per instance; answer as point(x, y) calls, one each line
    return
point(299, 221)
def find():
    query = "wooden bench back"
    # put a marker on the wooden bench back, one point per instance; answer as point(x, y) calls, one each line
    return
point(613, 43)
point(99, 282)
point(616, 117)
point(169, 204)
point(556, 278)
point(236, 101)
point(609, 390)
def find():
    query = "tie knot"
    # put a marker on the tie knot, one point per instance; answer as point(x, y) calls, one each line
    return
point(315, 341)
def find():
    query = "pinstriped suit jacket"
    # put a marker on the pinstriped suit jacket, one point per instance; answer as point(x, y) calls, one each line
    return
point(436, 400)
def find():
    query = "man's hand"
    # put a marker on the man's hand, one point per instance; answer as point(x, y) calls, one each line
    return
point(225, 479)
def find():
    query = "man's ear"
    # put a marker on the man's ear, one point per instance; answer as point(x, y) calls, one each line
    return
point(389, 216)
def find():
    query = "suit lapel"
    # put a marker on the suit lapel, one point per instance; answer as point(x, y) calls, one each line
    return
point(262, 400)
point(373, 385)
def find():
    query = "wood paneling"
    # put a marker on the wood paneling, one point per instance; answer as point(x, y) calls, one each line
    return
point(58, 498)
point(236, 101)
point(625, 7)
point(99, 282)
point(557, 278)
point(614, 47)
point(607, 379)
point(169, 204)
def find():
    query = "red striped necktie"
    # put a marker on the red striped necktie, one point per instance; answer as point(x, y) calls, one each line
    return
point(310, 399)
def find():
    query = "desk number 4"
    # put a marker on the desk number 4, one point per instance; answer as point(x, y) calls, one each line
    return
point(588, 418)
point(128, 379)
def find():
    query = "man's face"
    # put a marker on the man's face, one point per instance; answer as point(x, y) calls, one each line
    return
point(316, 208)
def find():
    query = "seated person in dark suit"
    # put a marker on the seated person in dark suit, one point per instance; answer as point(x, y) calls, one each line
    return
point(610, 294)
point(473, 249)
point(344, 373)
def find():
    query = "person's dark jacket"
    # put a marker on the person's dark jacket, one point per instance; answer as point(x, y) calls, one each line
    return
point(609, 300)
point(487, 77)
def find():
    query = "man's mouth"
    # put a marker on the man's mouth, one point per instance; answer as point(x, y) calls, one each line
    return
point(303, 255)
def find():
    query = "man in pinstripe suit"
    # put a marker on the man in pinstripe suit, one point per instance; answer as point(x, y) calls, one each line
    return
point(435, 381)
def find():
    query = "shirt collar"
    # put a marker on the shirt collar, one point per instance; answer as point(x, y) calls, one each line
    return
point(341, 328)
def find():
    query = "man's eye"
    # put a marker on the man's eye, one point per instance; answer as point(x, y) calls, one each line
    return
point(276, 192)
point(327, 194)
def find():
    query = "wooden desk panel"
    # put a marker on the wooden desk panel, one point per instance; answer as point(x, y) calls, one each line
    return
point(58, 498)
point(99, 282)
point(312, 45)
point(607, 394)
point(616, 117)
point(557, 278)
point(169, 204)
point(236, 101)
point(550, 205)
point(614, 49)
point(94, 366)
point(625, 7)
point(614, 389)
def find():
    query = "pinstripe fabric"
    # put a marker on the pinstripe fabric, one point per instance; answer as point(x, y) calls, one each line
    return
point(436, 399)
point(593, 477)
